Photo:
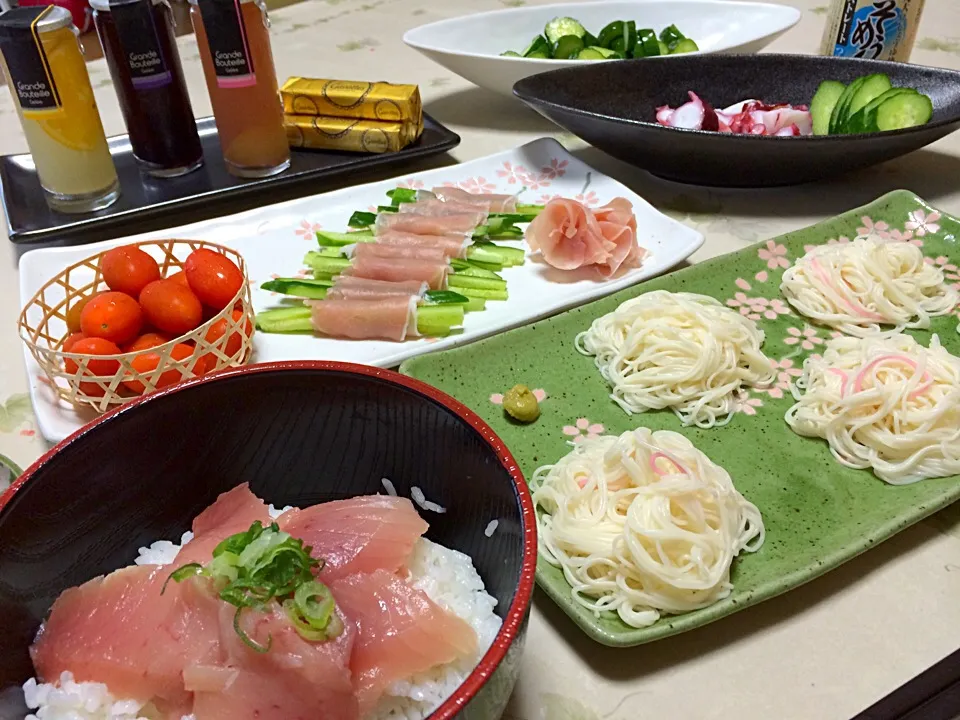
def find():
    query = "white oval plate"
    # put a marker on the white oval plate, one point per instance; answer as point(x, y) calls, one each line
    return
point(274, 239)
point(471, 45)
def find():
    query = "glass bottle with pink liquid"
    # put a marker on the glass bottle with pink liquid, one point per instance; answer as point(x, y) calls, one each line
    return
point(234, 41)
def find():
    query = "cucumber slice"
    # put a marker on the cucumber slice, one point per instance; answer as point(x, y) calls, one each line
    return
point(647, 43)
point(538, 47)
point(839, 115)
point(664, 50)
point(596, 53)
point(560, 26)
point(445, 297)
point(510, 53)
point(361, 219)
point(326, 238)
point(475, 304)
point(626, 41)
point(873, 87)
point(285, 320)
point(610, 33)
point(671, 36)
point(821, 107)
point(465, 267)
point(589, 39)
point(457, 281)
point(685, 46)
point(299, 287)
point(865, 120)
point(904, 111)
point(484, 293)
point(569, 46)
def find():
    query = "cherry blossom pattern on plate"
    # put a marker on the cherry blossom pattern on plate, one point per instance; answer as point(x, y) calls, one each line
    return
point(512, 174)
point(806, 339)
point(922, 223)
point(756, 308)
point(582, 430)
point(411, 184)
point(774, 254)
point(950, 271)
point(786, 373)
point(873, 229)
point(556, 168)
point(744, 403)
point(539, 393)
point(590, 199)
point(308, 230)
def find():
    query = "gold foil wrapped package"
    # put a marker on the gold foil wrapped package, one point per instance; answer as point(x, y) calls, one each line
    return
point(381, 101)
point(348, 134)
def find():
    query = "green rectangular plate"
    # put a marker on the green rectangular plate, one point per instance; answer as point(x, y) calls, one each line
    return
point(817, 513)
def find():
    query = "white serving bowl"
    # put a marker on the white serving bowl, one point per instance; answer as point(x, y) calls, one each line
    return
point(471, 45)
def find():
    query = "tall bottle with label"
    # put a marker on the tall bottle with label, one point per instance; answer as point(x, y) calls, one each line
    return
point(51, 89)
point(234, 41)
point(872, 29)
point(141, 51)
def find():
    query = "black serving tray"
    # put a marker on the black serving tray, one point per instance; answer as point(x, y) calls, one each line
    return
point(148, 203)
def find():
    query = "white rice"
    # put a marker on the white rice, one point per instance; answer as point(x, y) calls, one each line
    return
point(389, 487)
point(491, 528)
point(416, 494)
point(446, 576)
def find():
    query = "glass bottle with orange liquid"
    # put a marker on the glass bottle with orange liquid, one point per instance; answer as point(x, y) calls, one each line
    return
point(234, 41)
point(48, 78)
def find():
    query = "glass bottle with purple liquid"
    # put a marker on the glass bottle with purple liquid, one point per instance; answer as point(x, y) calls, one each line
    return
point(141, 51)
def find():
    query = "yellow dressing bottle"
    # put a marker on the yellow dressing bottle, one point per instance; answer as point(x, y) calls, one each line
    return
point(48, 79)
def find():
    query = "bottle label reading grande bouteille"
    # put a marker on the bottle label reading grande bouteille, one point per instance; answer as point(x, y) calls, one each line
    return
point(140, 42)
point(226, 30)
point(30, 72)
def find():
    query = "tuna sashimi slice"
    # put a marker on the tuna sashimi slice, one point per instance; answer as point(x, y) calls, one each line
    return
point(432, 272)
point(362, 534)
point(119, 630)
point(425, 224)
point(431, 254)
point(350, 287)
point(492, 202)
point(295, 680)
point(233, 512)
point(454, 245)
point(400, 632)
point(387, 318)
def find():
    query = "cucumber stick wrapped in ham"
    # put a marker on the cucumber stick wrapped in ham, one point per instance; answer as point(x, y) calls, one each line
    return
point(413, 270)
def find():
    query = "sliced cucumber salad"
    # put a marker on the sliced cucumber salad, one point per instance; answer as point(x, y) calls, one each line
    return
point(565, 38)
point(869, 104)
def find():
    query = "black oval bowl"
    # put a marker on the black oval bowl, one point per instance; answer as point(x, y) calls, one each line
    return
point(612, 105)
point(300, 433)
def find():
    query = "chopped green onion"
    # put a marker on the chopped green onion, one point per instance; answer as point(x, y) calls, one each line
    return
point(261, 565)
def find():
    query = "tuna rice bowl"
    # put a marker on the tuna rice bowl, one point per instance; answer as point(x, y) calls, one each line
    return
point(341, 610)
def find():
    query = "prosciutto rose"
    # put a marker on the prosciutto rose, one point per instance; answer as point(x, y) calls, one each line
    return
point(570, 235)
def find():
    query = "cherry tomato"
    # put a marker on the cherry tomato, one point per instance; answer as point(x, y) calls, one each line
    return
point(213, 277)
point(71, 340)
point(73, 314)
point(180, 277)
point(149, 361)
point(94, 346)
point(234, 342)
point(128, 269)
point(171, 307)
point(147, 341)
point(113, 316)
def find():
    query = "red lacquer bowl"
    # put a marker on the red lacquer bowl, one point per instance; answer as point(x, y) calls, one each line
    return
point(300, 433)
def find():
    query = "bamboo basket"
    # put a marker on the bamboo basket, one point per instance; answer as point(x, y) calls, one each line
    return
point(43, 328)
